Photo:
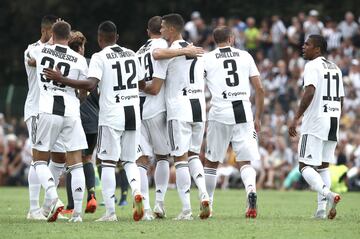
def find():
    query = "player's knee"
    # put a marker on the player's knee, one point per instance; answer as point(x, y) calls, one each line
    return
point(142, 160)
point(209, 164)
point(161, 157)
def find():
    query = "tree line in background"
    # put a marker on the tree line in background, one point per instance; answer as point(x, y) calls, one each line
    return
point(20, 21)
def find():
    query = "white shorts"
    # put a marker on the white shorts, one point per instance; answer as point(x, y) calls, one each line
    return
point(118, 144)
point(52, 128)
point(31, 126)
point(242, 136)
point(154, 138)
point(185, 136)
point(314, 151)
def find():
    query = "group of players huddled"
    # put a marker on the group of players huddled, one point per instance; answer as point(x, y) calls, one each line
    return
point(137, 106)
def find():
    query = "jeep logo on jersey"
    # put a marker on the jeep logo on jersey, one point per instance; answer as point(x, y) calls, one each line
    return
point(224, 94)
point(328, 108)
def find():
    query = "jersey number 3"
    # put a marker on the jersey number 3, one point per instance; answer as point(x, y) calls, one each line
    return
point(231, 65)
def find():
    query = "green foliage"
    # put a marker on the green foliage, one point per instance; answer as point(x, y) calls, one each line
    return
point(281, 215)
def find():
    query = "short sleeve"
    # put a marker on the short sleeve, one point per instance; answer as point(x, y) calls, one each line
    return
point(33, 53)
point(160, 68)
point(310, 75)
point(140, 71)
point(253, 70)
point(341, 88)
point(83, 70)
point(96, 67)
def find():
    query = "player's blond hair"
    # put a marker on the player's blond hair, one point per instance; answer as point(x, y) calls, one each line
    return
point(77, 39)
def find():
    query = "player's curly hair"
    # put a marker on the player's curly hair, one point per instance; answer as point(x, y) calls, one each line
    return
point(319, 41)
point(77, 39)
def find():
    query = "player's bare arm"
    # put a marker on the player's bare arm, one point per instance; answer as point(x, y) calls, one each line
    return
point(189, 51)
point(153, 88)
point(88, 84)
point(259, 101)
point(304, 104)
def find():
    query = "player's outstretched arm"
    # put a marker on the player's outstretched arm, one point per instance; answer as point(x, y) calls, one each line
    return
point(304, 104)
point(166, 53)
point(259, 101)
point(153, 88)
point(88, 84)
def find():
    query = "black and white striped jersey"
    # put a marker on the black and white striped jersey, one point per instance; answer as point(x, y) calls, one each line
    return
point(32, 99)
point(184, 86)
point(118, 71)
point(151, 105)
point(227, 73)
point(56, 98)
point(321, 118)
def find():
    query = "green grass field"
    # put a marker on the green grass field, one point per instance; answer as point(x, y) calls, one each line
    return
point(280, 215)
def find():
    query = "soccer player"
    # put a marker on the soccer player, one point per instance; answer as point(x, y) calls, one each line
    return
point(229, 73)
point(185, 105)
point(116, 70)
point(320, 107)
point(57, 161)
point(89, 112)
point(59, 118)
point(154, 138)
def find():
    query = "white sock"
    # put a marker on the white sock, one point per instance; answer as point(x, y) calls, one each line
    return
point(46, 179)
point(183, 184)
point(34, 188)
point(56, 170)
point(313, 178)
point(325, 176)
point(133, 176)
point(211, 179)
point(197, 173)
point(161, 177)
point(248, 176)
point(77, 186)
point(108, 185)
point(144, 186)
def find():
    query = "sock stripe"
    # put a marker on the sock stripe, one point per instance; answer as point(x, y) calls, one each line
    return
point(181, 165)
point(302, 170)
point(210, 171)
point(193, 157)
point(107, 165)
point(245, 166)
point(75, 166)
point(36, 163)
point(143, 166)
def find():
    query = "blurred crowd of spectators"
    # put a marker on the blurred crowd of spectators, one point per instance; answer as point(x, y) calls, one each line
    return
point(276, 47)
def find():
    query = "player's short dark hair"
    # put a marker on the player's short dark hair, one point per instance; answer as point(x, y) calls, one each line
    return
point(77, 39)
point(319, 41)
point(174, 20)
point(222, 34)
point(154, 25)
point(61, 30)
point(48, 20)
point(108, 31)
